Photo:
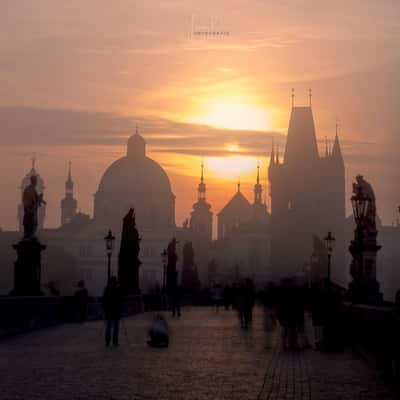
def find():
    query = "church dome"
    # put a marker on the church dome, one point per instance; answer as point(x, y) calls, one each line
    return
point(139, 182)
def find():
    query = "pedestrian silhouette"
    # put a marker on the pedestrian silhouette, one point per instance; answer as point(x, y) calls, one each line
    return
point(112, 302)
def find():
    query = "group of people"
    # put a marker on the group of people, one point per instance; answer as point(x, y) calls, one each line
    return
point(289, 303)
point(240, 296)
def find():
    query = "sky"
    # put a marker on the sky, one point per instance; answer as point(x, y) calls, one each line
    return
point(76, 77)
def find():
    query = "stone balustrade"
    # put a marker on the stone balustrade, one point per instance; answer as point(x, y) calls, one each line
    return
point(21, 314)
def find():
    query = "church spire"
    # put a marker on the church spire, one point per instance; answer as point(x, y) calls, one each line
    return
point(277, 155)
point(326, 147)
point(68, 204)
point(202, 186)
point(337, 151)
point(69, 184)
point(272, 156)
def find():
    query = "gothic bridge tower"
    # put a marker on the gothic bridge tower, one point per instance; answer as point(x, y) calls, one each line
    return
point(307, 197)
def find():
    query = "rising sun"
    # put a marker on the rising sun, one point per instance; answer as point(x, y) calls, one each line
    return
point(233, 112)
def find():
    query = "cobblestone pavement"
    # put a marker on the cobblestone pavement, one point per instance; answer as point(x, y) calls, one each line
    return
point(209, 357)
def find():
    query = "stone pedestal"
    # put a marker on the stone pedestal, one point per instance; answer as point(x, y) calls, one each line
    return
point(364, 287)
point(27, 268)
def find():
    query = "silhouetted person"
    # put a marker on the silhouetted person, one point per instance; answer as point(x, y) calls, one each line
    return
point(332, 304)
point(112, 304)
point(81, 300)
point(227, 297)
point(175, 296)
point(318, 314)
point(216, 295)
point(289, 314)
point(396, 336)
point(249, 300)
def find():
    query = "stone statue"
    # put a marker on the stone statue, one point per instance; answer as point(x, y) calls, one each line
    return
point(369, 224)
point(128, 259)
point(31, 201)
point(364, 288)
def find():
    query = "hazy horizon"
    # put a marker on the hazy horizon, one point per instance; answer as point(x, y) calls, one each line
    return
point(78, 77)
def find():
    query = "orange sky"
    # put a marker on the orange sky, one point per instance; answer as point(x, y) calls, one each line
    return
point(134, 61)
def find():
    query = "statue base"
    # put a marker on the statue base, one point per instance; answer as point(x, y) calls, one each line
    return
point(27, 268)
point(364, 292)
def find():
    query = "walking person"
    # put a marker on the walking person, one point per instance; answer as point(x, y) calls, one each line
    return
point(175, 296)
point(216, 295)
point(249, 300)
point(112, 302)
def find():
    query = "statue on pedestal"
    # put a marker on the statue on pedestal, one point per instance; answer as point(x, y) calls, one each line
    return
point(364, 287)
point(27, 268)
point(128, 259)
point(31, 201)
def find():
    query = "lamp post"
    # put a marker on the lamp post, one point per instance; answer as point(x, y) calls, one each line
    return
point(164, 257)
point(329, 242)
point(109, 241)
point(360, 203)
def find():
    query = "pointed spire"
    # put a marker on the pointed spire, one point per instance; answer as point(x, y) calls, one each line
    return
point(33, 160)
point(69, 170)
point(292, 97)
point(201, 190)
point(310, 96)
point(258, 188)
point(301, 142)
point(326, 147)
point(277, 154)
point(336, 150)
point(238, 185)
point(137, 130)
point(69, 184)
point(272, 156)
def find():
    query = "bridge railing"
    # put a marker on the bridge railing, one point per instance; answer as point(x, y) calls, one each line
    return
point(374, 331)
point(22, 314)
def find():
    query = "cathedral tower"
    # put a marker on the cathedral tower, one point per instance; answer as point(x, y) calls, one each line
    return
point(201, 216)
point(68, 203)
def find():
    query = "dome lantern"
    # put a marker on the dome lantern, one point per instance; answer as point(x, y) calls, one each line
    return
point(136, 146)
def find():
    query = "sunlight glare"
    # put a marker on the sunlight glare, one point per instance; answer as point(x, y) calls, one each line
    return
point(233, 113)
point(232, 166)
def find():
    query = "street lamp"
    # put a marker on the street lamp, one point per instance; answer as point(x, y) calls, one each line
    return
point(360, 203)
point(109, 241)
point(329, 242)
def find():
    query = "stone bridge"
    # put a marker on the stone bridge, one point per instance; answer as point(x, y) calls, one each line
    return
point(209, 357)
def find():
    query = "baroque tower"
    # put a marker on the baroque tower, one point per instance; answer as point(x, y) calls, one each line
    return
point(68, 203)
point(307, 198)
point(201, 216)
